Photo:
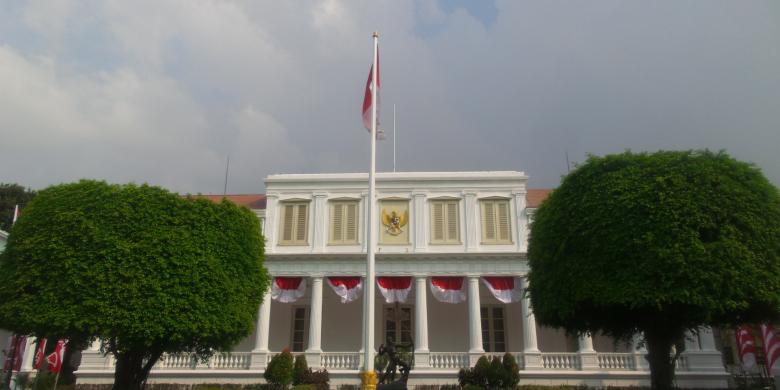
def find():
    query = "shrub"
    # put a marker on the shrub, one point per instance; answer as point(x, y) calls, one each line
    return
point(492, 373)
point(279, 371)
point(512, 370)
point(319, 379)
point(304, 387)
point(299, 369)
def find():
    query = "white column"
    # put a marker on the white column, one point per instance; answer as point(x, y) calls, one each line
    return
point(475, 319)
point(319, 223)
point(421, 352)
point(533, 357)
point(420, 225)
point(260, 353)
point(521, 220)
point(691, 342)
point(470, 218)
point(640, 353)
point(588, 356)
point(29, 354)
point(707, 339)
point(271, 221)
point(315, 323)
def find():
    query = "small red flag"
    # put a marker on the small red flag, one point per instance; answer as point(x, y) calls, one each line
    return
point(54, 360)
point(39, 354)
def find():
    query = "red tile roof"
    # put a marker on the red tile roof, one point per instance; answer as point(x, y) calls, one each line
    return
point(252, 201)
point(535, 197)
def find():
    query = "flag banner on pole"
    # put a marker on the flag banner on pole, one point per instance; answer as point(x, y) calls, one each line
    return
point(505, 288)
point(13, 358)
point(771, 346)
point(448, 289)
point(54, 360)
point(40, 354)
point(395, 288)
point(346, 287)
point(287, 290)
point(368, 100)
point(747, 347)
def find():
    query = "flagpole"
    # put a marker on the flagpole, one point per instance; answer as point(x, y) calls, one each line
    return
point(368, 376)
point(16, 214)
point(393, 137)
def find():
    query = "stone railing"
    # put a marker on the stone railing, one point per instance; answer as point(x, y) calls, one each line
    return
point(616, 361)
point(341, 360)
point(561, 361)
point(218, 361)
point(449, 360)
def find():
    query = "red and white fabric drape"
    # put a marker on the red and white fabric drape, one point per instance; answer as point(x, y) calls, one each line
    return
point(287, 290)
point(346, 287)
point(505, 288)
point(747, 347)
point(448, 289)
point(394, 288)
point(771, 346)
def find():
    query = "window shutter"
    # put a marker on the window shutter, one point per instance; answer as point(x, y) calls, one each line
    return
point(300, 226)
point(438, 221)
point(488, 221)
point(503, 220)
point(338, 222)
point(351, 222)
point(452, 221)
point(287, 227)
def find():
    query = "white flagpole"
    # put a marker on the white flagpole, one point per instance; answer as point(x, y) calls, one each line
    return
point(16, 214)
point(368, 313)
point(393, 137)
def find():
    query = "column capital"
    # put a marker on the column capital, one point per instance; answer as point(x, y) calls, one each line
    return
point(320, 194)
point(418, 194)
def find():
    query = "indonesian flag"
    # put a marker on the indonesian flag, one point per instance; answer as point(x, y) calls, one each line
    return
point(368, 99)
point(287, 290)
point(15, 353)
point(771, 346)
point(747, 347)
point(39, 354)
point(347, 287)
point(54, 360)
point(395, 288)
point(448, 289)
point(505, 288)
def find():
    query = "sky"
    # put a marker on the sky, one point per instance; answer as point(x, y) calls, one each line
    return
point(162, 92)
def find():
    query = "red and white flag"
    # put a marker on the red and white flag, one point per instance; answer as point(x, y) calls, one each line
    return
point(287, 290)
point(771, 346)
point(346, 287)
point(368, 100)
point(747, 347)
point(13, 358)
point(40, 354)
point(54, 360)
point(505, 288)
point(448, 289)
point(394, 288)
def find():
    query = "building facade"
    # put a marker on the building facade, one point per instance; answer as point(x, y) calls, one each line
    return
point(450, 263)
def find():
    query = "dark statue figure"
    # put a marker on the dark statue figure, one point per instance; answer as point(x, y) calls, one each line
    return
point(394, 364)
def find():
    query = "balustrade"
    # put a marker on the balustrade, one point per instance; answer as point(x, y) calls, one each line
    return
point(449, 360)
point(561, 361)
point(340, 360)
point(616, 361)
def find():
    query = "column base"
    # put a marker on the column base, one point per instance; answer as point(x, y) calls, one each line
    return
point(94, 360)
point(422, 359)
point(313, 358)
point(532, 360)
point(259, 359)
point(589, 361)
point(640, 361)
point(704, 361)
point(474, 356)
point(368, 380)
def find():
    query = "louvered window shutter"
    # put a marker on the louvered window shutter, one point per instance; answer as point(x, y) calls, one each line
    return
point(351, 222)
point(503, 221)
point(438, 221)
point(488, 221)
point(338, 222)
point(300, 223)
point(287, 224)
point(452, 221)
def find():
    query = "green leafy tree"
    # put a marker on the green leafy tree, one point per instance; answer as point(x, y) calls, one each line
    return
point(657, 243)
point(144, 270)
point(10, 196)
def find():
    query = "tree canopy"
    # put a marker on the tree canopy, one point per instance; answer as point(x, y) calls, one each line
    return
point(10, 196)
point(657, 243)
point(145, 270)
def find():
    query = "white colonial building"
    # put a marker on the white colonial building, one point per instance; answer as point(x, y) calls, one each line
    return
point(451, 260)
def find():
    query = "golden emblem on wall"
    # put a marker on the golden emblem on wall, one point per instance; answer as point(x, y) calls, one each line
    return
point(394, 222)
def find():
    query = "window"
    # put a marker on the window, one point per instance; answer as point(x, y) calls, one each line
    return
point(444, 222)
point(343, 222)
point(496, 225)
point(398, 324)
point(294, 229)
point(493, 329)
point(299, 329)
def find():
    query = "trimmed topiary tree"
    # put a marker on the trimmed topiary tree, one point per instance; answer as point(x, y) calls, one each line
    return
point(279, 371)
point(144, 270)
point(299, 370)
point(657, 243)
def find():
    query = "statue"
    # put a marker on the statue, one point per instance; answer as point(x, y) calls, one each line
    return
point(387, 378)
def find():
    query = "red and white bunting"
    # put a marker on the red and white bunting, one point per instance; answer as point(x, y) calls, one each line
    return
point(347, 287)
point(395, 288)
point(287, 290)
point(39, 354)
point(505, 288)
point(747, 347)
point(54, 360)
point(448, 289)
point(771, 347)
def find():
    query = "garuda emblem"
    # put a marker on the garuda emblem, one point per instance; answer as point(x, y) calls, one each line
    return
point(394, 222)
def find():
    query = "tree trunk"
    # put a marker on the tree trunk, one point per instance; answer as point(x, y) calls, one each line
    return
point(659, 350)
point(132, 369)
